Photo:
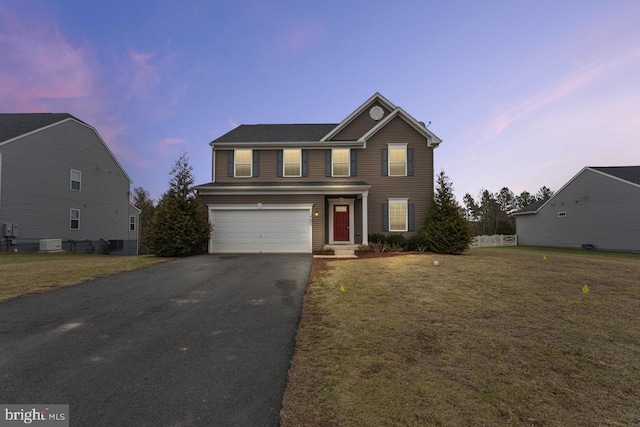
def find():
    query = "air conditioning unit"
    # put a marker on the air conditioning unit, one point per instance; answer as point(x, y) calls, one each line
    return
point(50, 245)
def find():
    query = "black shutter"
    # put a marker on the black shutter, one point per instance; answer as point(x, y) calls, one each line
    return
point(385, 162)
point(256, 163)
point(305, 162)
point(412, 223)
point(385, 217)
point(279, 163)
point(230, 163)
point(327, 163)
point(410, 161)
point(354, 162)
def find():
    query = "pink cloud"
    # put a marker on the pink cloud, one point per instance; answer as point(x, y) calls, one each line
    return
point(167, 146)
point(39, 66)
point(560, 89)
point(42, 71)
point(145, 75)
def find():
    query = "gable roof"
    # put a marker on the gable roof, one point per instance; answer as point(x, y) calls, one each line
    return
point(322, 132)
point(276, 133)
point(628, 174)
point(14, 125)
point(376, 97)
point(531, 208)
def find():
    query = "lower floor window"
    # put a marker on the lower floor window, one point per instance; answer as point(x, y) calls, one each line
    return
point(75, 219)
point(398, 215)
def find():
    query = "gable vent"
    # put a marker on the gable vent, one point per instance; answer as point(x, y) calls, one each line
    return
point(376, 112)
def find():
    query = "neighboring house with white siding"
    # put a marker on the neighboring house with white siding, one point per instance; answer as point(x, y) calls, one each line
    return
point(600, 207)
point(300, 187)
point(59, 180)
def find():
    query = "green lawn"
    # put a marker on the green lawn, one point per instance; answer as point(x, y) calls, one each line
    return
point(493, 337)
point(33, 273)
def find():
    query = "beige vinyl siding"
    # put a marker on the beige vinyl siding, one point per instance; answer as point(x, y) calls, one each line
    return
point(417, 188)
point(317, 225)
point(359, 126)
point(268, 171)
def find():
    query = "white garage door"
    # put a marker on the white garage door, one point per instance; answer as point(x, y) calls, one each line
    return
point(261, 230)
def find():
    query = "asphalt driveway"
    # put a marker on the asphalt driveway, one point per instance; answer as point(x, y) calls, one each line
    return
point(202, 341)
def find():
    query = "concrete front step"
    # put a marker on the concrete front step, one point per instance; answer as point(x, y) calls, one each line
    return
point(342, 251)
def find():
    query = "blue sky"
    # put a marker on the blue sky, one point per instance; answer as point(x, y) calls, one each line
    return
point(523, 93)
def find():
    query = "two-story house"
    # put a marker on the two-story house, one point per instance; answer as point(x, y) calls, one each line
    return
point(300, 187)
point(61, 185)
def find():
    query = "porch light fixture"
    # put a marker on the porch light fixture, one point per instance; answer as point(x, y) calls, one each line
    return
point(315, 213)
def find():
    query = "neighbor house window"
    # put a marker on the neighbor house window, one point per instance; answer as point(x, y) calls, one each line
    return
point(76, 178)
point(132, 223)
point(397, 160)
point(243, 163)
point(292, 162)
point(74, 216)
point(398, 215)
point(340, 162)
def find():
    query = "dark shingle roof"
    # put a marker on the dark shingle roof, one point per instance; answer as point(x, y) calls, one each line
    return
point(277, 133)
point(628, 173)
point(12, 125)
point(531, 208)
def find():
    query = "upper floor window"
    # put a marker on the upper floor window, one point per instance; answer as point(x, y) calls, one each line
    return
point(74, 217)
point(132, 223)
point(76, 179)
point(340, 161)
point(398, 215)
point(292, 162)
point(243, 165)
point(397, 160)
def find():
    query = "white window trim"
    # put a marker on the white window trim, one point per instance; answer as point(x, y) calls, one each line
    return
point(71, 180)
point(284, 162)
point(235, 163)
point(397, 146)
point(71, 219)
point(406, 214)
point(132, 217)
point(348, 163)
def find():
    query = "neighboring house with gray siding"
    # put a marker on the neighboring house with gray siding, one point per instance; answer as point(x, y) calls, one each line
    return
point(600, 206)
point(300, 187)
point(59, 180)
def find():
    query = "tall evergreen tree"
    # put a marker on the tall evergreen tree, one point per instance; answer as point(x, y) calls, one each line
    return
point(143, 201)
point(445, 227)
point(544, 193)
point(180, 226)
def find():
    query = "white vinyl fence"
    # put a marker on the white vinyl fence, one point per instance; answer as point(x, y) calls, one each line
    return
point(495, 240)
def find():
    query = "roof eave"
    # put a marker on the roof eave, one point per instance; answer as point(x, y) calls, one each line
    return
point(282, 144)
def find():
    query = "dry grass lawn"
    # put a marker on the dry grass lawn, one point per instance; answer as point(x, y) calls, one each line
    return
point(32, 273)
point(493, 337)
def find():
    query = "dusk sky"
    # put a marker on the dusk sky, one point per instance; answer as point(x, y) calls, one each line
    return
point(523, 93)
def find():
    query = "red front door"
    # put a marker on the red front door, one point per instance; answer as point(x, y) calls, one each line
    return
point(340, 223)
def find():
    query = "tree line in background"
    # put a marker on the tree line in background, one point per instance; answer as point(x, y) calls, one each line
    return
point(490, 213)
point(177, 226)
